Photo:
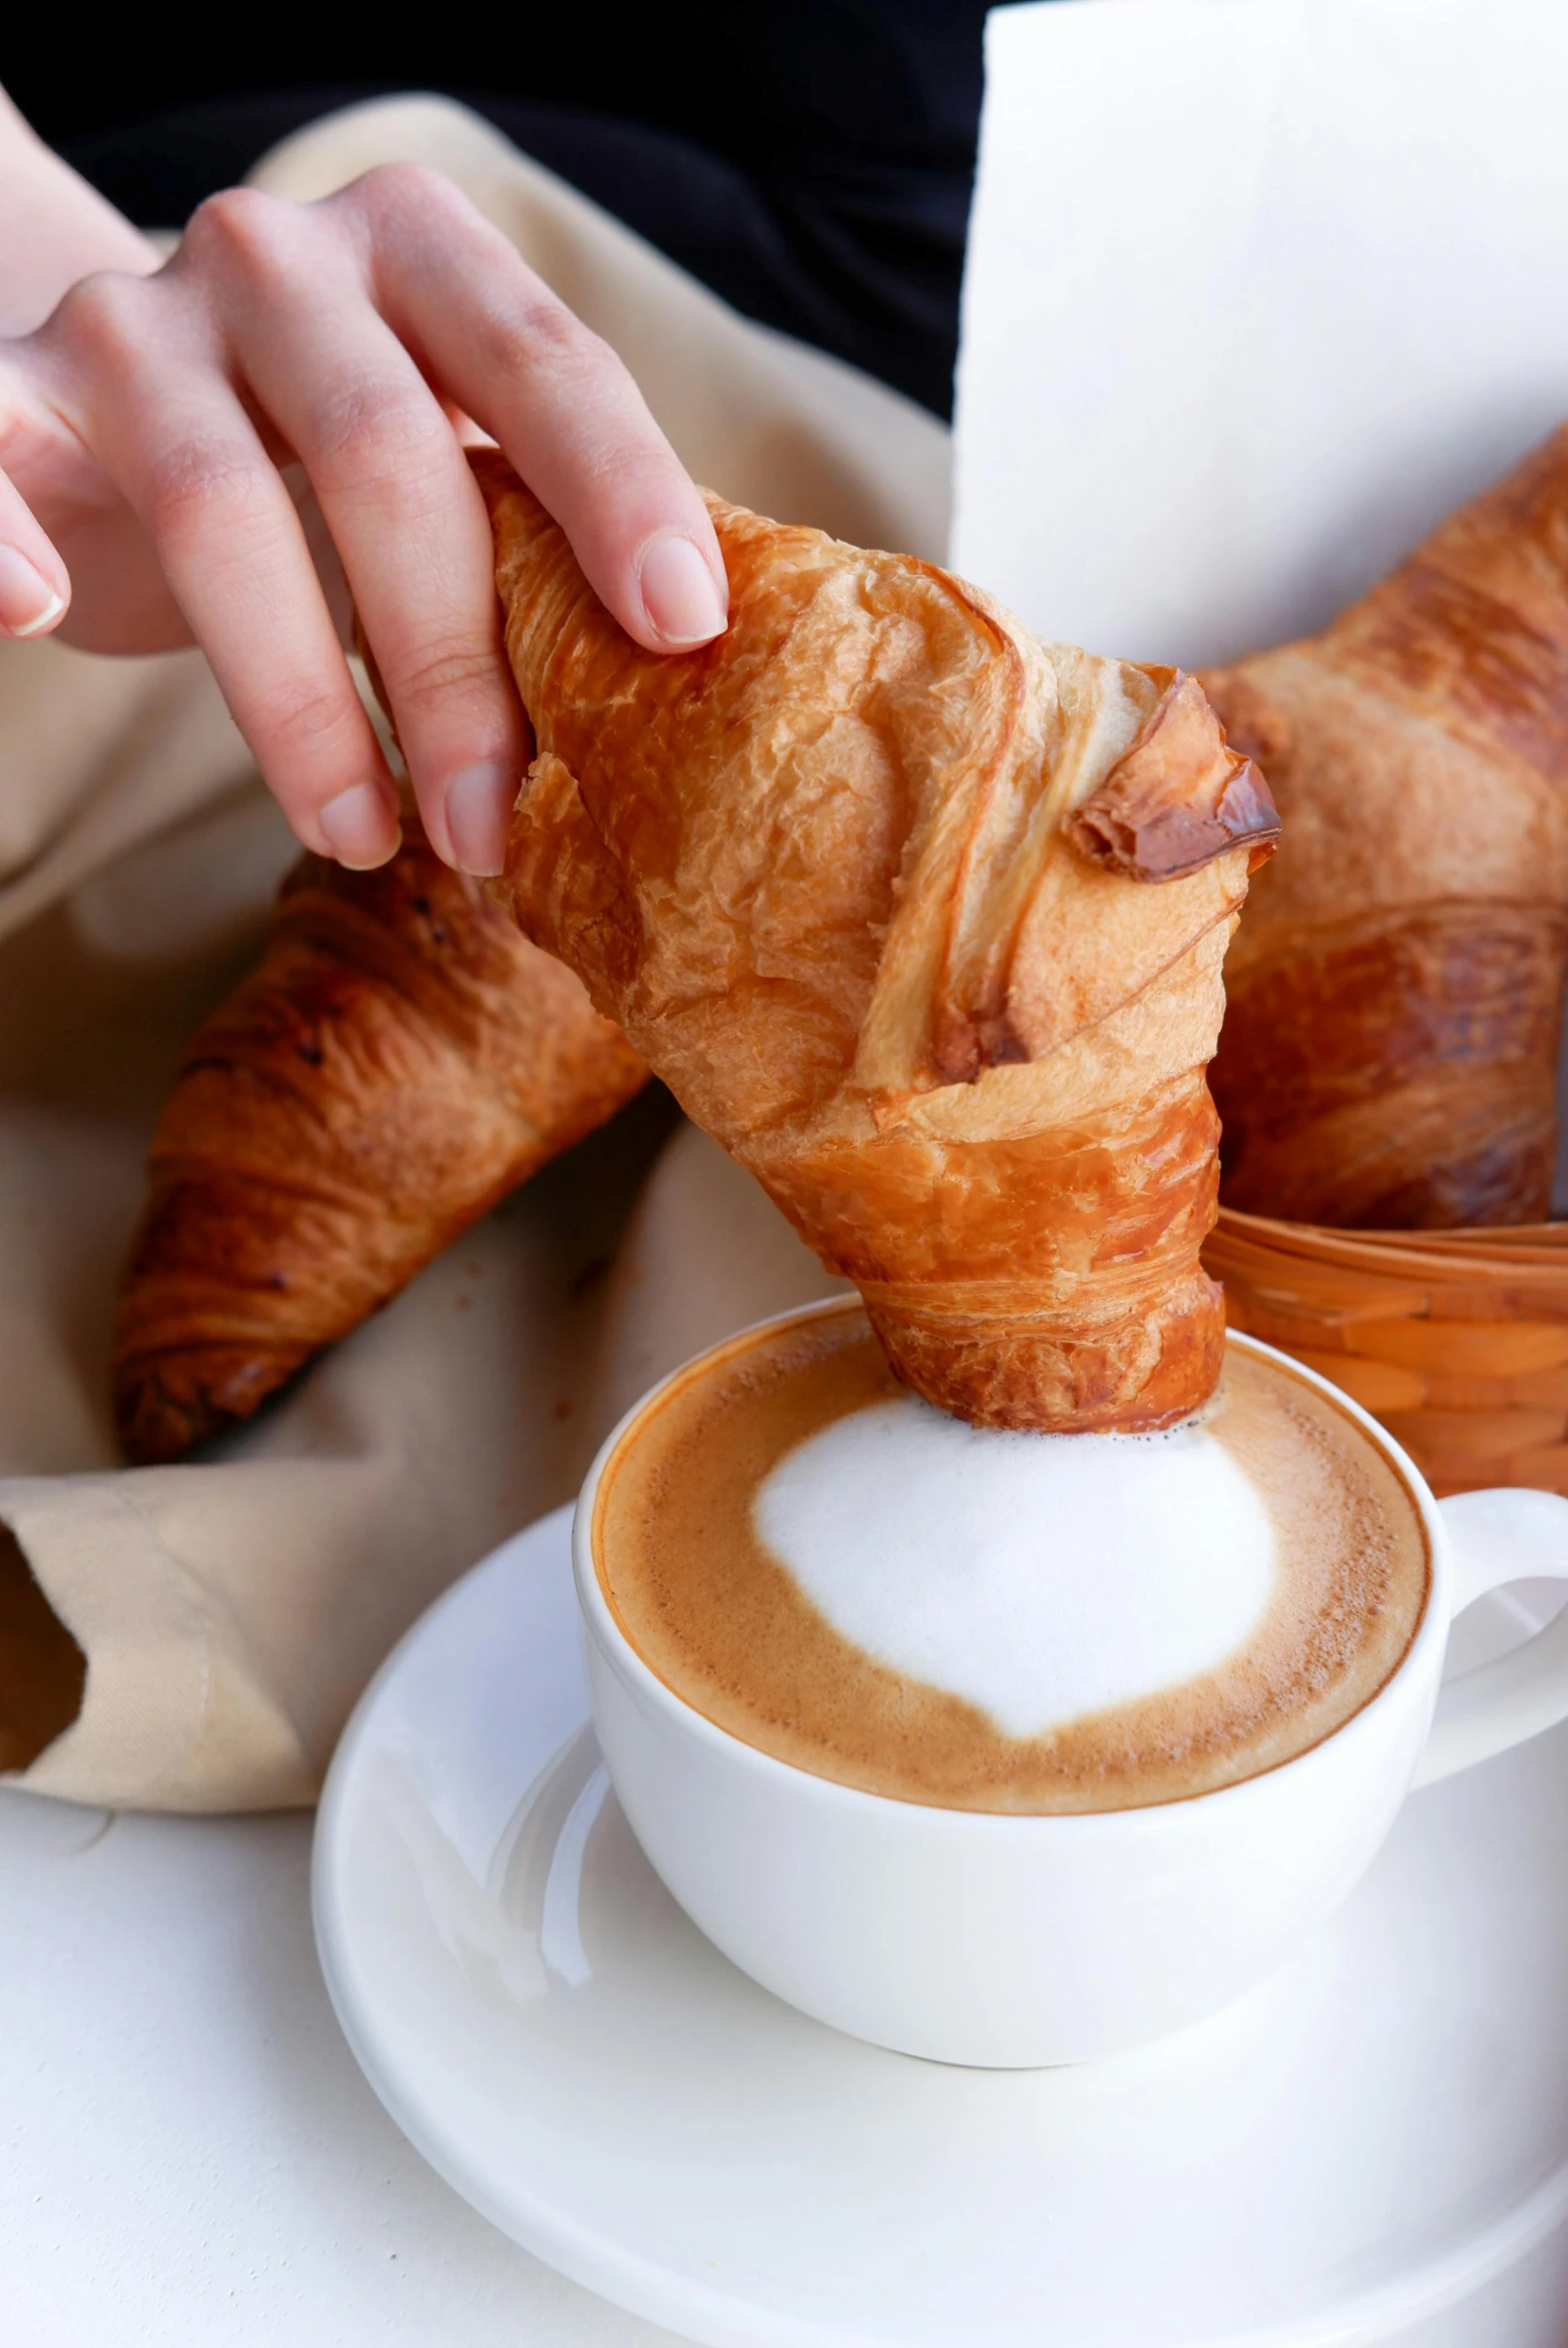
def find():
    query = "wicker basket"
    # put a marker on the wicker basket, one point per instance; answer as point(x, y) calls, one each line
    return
point(1456, 1340)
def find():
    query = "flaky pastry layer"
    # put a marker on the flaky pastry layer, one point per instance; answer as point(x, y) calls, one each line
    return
point(1390, 1053)
point(398, 1059)
point(924, 921)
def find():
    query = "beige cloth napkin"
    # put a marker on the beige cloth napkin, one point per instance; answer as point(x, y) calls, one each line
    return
point(229, 1612)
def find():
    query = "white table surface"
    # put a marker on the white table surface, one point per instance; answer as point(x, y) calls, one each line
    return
point(189, 2157)
point(188, 2154)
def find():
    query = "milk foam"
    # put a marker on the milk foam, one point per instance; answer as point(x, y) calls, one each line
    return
point(1041, 1577)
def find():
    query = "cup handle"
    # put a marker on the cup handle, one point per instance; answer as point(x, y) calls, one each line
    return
point(1514, 1534)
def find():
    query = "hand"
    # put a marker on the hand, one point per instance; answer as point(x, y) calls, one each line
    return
point(143, 429)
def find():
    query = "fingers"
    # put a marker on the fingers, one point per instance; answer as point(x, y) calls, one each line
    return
point(344, 336)
point(388, 474)
point(192, 466)
point(557, 398)
point(35, 588)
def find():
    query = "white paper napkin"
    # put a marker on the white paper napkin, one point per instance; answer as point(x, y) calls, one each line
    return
point(1257, 291)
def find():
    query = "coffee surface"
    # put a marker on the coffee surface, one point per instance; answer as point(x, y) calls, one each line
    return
point(835, 1573)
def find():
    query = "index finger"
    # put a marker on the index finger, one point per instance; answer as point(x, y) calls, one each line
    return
point(495, 338)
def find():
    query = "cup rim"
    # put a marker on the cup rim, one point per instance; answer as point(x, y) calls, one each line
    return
point(642, 1681)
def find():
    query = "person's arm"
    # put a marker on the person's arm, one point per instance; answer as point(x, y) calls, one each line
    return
point(54, 227)
point(145, 413)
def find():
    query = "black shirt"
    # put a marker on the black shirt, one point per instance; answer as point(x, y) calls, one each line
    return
point(811, 161)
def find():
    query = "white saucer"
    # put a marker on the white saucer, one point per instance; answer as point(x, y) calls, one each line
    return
point(1359, 2144)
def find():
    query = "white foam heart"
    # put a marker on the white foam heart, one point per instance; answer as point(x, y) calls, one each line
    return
point(1040, 1576)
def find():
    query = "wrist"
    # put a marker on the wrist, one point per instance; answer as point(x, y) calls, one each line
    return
point(54, 229)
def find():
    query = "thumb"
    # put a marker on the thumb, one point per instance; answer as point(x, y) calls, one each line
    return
point(35, 586)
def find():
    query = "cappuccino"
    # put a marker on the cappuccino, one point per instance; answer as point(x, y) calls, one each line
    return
point(836, 1573)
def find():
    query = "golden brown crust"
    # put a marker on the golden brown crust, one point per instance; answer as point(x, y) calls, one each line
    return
point(1389, 1053)
point(822, 872)
point(1179, 798)
point(399, 1060)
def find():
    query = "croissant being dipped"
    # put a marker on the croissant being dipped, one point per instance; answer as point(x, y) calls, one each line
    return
point(398, 1061)
point(1391, 1053)
point(924, 921)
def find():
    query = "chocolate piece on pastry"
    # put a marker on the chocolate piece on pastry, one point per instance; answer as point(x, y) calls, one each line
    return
point(400, 1060)
point(1391, 1053)
point(840, 876)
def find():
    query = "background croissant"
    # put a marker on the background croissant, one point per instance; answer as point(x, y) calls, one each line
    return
point(923, 921)
point(399, 1060)
point(1389, 1054)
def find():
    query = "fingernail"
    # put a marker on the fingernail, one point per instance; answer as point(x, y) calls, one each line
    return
point(680, 595)
point(28, 604)
point(479, 816)
point(359, 828)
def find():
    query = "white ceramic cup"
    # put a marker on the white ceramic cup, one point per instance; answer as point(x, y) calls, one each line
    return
point(974, 1937)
